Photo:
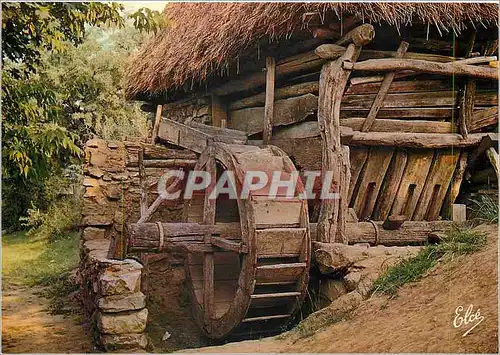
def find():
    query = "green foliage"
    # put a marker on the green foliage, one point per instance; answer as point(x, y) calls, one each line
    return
point(456, 242)
point(57, 95)
point(485, 209)
point(28, 28)
point(148, 20)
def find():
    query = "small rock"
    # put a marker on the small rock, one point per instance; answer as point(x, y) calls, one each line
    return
point(92, 233)
point(166, 336)
point(122, 323)
point(112, 342)
point(120, 303)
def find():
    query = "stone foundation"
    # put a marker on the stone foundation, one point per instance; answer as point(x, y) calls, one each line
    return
point(115, 291)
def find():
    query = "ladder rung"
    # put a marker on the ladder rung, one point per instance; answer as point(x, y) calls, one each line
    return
point(275, 295)
point(258, 319)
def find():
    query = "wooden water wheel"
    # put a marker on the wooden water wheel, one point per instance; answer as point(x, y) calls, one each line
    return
point(247, 258)
point(260, 276)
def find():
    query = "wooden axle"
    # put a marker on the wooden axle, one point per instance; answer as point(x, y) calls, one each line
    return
point(183, 237)
point(188, 237)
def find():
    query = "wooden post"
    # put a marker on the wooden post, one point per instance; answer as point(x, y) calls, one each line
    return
point(208, 258)
point(156, 124)
point(269, 105)
point(219, 111)
point(384, 89)
point(143, 183)
point(466, 99)
point(333, 80)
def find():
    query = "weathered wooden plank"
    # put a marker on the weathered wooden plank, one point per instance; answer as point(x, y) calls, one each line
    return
point(279, 272)
point(192, 138)
point(417, 99)
point(437, 113)
point(160, 153)
point(156, 124)
point(357, 156)
point(278, 242)
point(280, 93)
point(286, 111)
point(416, 140)
point(390, 185)
point(392, 125)
point(483, 118)
point(371, 180)
point(466, 100)
point(425, 67)
point(384, 89)
point(456, 182)
point(276, 212)
point(435, 188)
point(269, 104)
point(412, 183)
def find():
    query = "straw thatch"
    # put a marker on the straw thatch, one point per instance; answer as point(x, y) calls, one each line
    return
point(203, 37)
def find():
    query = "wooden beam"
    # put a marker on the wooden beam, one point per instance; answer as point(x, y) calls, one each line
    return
point(410, 232)
point(424, 67)
point(416, 140)
point(208, 258)
point(280, 93)
point(156, 124)
point(384, 89)
point(488, 140)
point(332, 84)
point(483, 118)
point(143, 183)
point(219, 111)
point(360, 36)
point(493, 158)
point(269, 104)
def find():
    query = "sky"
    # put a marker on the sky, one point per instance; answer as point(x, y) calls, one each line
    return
point(136, 5)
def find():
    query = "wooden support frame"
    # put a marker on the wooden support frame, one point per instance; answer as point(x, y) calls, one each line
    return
point(269, 103)
point(159, 110)
point(333, 81)
point(384, 89)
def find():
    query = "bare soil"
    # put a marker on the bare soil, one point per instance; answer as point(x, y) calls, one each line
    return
point(419, 319)
point(28, 327)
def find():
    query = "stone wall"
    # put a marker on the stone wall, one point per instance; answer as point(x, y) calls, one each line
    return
point(114, 291)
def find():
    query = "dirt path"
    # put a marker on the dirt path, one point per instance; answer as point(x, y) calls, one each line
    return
point(28, 328)
point(420, 319)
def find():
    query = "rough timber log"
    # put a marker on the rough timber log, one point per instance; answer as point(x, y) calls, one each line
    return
point(333, 80)
point(310, 61)
point(360, 36)
point(411, 232)
point(416, 140)
point(188, 237)
point(269, 104)
point(406, 73)
point(285, 112)
point(424, 67)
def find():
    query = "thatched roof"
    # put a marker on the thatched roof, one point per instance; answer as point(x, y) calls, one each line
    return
point(203, 37)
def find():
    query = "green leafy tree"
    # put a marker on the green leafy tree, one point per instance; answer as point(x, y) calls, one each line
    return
point(61, 85)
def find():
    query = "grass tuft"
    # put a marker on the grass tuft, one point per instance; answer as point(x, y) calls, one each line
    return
point(458, 241)
point(485, 209)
